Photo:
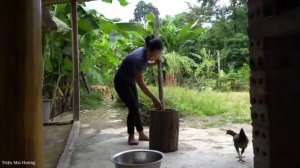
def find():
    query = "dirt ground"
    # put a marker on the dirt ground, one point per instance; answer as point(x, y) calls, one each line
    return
point(103, 134)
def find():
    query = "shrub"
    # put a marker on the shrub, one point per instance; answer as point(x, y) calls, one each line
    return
point(90, 101)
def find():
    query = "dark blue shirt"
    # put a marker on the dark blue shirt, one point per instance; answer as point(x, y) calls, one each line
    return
point(135, 61)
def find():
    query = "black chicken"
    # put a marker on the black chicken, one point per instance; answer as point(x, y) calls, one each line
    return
point(112, 97)
point(240, 141)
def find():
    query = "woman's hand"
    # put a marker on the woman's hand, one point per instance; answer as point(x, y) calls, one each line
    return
point(144, 88)
point(157, 103)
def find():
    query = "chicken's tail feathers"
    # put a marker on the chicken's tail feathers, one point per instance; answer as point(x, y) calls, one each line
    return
point(230, 132)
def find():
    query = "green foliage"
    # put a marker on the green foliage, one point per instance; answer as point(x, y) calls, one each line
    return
point(150, 22)
point(208, 2)
point(178, 66)
point(203, 13)
point(181, 40)
point(94, 77)
point(228, 32)
point(207, 66)
point(61, 26)
point(190, 53)
point(236, 50)
point(56, 62)
point(142, 9)
point(179, 20)
point(235, 79)
point(244, 72)
point(90, 101)
point(231, 106)
point(102, 45)
point(122, 2)
point(238, 15)
point(214, 38)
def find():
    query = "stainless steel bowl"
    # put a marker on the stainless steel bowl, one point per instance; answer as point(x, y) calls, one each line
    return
point(139, 158)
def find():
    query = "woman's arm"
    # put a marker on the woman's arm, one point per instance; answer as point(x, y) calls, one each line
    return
point(142, 85)
point(145, 89)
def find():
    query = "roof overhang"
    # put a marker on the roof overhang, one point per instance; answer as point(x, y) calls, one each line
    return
point(50, 2)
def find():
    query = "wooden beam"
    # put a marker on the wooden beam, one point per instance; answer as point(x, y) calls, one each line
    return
point(160, 75)
point(75, 58)
point(21, 74)
point(65, 159)
point(51, 2)
point(58, 123)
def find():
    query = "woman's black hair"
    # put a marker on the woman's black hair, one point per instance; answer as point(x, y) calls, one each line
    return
point(153, 43)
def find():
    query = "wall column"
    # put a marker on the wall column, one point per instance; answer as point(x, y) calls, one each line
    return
point(274, 34)
point(21, 129)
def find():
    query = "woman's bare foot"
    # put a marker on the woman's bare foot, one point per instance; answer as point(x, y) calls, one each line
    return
point(143, 137)
point(132, 140)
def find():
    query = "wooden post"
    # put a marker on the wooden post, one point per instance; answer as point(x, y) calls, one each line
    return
point(21, 71)
point(75, 58)
point(219, 63)
point(160, 75)
point(219, 69)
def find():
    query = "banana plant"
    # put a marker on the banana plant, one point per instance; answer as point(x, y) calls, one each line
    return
point(179, 39)
point(177, 66)
point(206, 69)
point(98, 53)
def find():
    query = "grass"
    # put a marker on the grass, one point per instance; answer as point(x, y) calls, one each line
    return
point(207, 108)
point(90, 101)
point(228, 107)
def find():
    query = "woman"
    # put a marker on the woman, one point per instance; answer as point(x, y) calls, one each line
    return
point(129, 73)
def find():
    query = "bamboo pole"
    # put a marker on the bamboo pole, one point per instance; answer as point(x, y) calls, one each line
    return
point(160, 75)
point(21, 73)
point(75, 58)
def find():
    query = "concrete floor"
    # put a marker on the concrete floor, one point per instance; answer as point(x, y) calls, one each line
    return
point(55, 138)
point(103, 134)
point(198, 148)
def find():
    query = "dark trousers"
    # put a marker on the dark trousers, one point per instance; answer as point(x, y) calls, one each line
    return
point(128, 94)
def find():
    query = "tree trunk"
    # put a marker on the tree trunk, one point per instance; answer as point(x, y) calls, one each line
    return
point(164, 130)
point(234, 16)
point(86, 85)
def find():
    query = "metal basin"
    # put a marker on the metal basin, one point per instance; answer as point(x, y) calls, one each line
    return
point(139, 158)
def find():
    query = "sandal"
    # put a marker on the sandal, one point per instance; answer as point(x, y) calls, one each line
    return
point(143, 137)
point(133, 142)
